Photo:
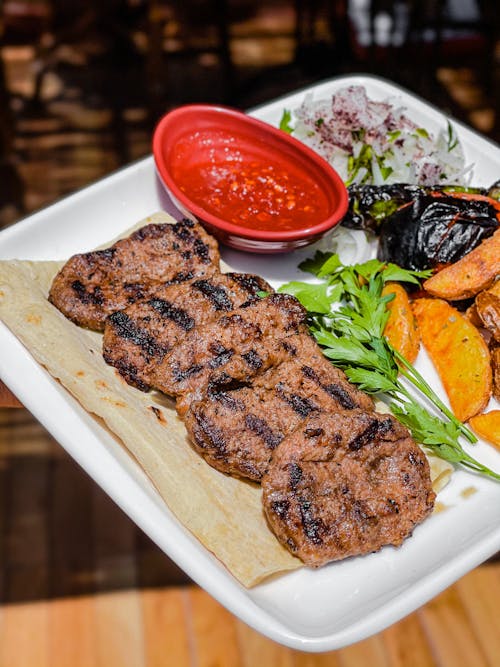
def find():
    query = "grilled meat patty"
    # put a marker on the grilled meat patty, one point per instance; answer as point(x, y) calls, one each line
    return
point(138, 337)
point(237, 427)
point(236, 346)
point(92, 285)
point(346, 484)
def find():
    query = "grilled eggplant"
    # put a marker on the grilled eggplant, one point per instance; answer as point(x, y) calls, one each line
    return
point(437, 229)
point(424, 228)
point(371, 205)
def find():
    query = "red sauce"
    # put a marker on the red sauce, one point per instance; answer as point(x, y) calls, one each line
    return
point(234, 178)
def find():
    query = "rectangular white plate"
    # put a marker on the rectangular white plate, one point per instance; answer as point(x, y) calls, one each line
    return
point(309, 610)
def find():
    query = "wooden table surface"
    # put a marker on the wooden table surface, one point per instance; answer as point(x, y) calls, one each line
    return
point(185, 627)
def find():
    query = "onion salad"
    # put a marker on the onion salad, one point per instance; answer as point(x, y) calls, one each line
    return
point(375, 142)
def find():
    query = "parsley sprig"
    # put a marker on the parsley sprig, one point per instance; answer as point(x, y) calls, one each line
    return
point(347, 316)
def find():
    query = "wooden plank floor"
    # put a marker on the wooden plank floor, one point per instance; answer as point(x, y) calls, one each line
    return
point(185, 627)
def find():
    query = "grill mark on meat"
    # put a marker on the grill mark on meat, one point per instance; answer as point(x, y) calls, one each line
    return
point(365, 437)
point(253, 359)
point(374, 429)
point(295, 474)
point(180, 375)
point(280, 508)
point(170, 312)
point(86, 296)
point(228, 400)
point(145, 232)
point(127, 329)
point(310, 525)
point(181, 277)
point(250, 283)
point(134, 291)
point(183, 229)
point(261, 428)
point(202, 250)
point(212, 433)
point(223, 390)
point(221, 355)
point(361, 511)
point(224, 383)
point(414, 461)
point(129, 372)
point(333, 389)
point(248, 468)
point(217, 296)
point(302, 406)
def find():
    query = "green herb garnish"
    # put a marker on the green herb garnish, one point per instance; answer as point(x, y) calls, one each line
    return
point(362, 161)
point(392, 136)
point(285, 121)
point(422, 132)
point(347, 316)
point(452, 139)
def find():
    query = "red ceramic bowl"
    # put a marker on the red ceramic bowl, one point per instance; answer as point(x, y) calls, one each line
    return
point(252, 186)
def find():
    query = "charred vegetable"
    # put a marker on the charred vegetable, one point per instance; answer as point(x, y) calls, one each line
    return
point(370, 205)
point(437, 229)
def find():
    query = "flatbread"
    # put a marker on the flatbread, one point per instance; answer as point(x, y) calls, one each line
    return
point(223, 512)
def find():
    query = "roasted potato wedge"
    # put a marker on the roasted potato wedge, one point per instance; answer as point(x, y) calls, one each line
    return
point(459, 354)
point(401, 329)
point(470, 275)
point(488, 309)
point(487, 426)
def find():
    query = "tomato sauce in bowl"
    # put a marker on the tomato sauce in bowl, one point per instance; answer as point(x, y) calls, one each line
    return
point(253, 186)
point(234, 180)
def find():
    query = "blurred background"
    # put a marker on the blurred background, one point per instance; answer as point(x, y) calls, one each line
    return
point(82, 84)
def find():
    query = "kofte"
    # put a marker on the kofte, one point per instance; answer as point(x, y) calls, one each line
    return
point(236, 427)
point(92, 285)
point(346, 484)
point(138, 337)
point(236, 346)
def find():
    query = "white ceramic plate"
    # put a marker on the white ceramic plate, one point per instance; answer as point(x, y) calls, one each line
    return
point(309, 610)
